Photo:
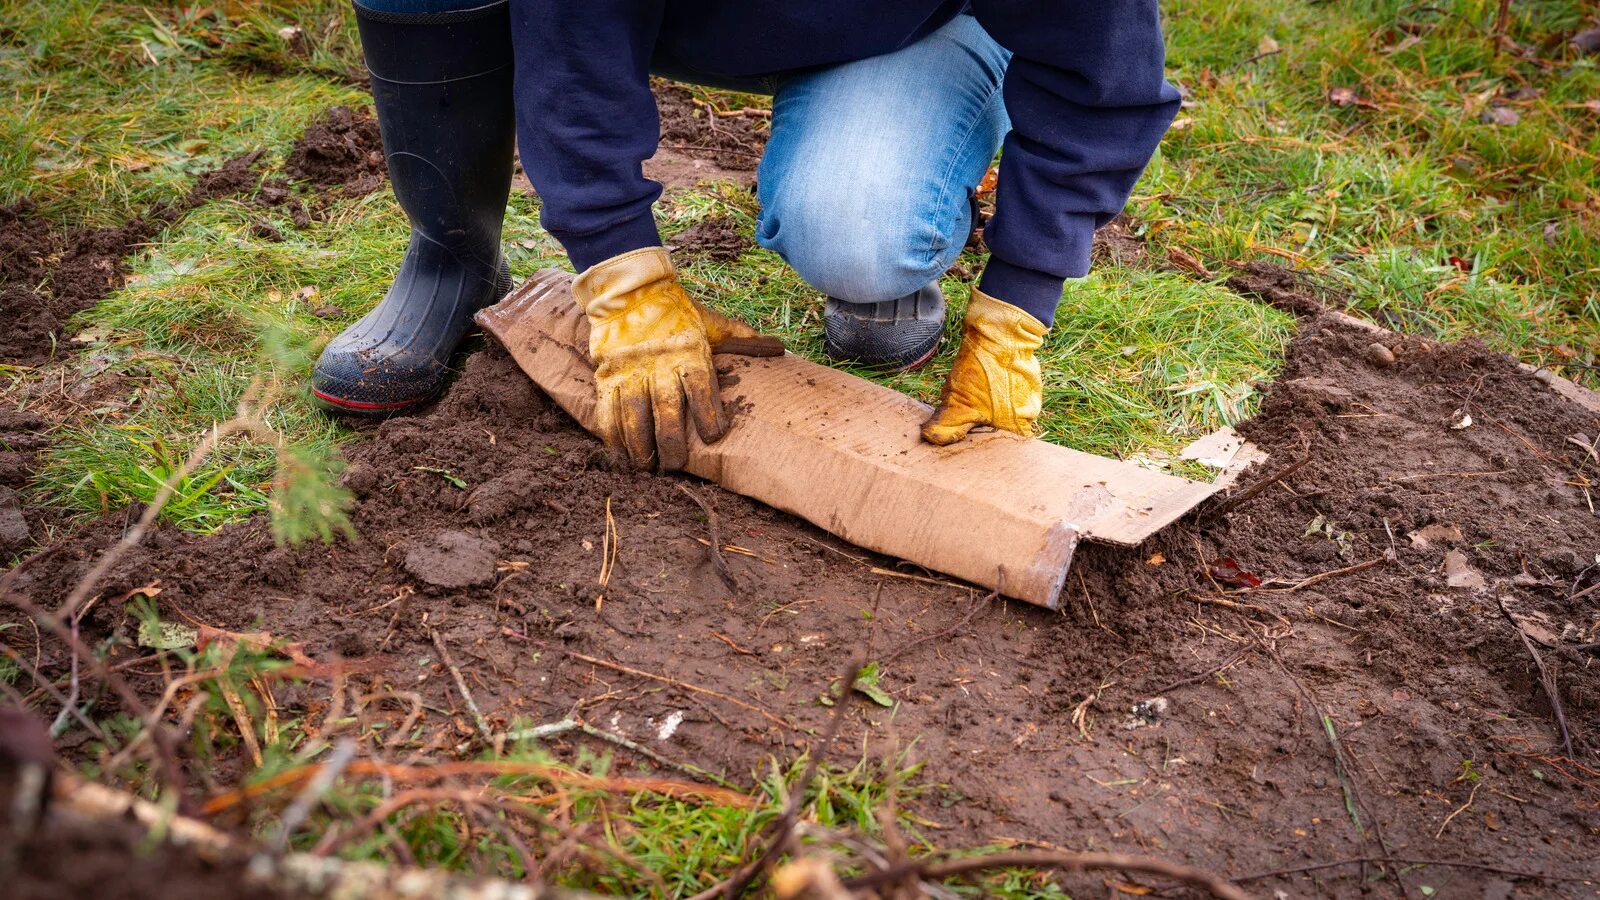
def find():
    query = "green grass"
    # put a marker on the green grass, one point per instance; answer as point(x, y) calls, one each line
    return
point(1426, 217)
point(1380, 195)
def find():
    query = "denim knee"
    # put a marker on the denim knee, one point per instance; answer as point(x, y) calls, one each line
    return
point(862, 258)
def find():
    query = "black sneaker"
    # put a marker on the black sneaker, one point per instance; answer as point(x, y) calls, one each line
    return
point(895, 334)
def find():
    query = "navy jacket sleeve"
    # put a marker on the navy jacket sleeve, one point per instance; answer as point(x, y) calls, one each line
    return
point(1088, 104)
point(586, 120)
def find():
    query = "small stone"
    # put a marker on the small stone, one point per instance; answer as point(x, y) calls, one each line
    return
point(1380, 355)
point(453, 559)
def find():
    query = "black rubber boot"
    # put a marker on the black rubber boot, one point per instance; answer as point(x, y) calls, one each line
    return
point(894, 334)
point(441, 83)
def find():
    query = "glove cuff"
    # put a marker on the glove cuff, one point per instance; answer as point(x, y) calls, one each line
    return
point(997, 317)
point(602, 289)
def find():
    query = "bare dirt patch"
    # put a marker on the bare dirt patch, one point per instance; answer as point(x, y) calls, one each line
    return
point(1033, 727)
point(46, 276)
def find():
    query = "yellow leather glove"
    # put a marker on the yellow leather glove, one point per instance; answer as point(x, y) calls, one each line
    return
point(652, 345)
point(995, 378)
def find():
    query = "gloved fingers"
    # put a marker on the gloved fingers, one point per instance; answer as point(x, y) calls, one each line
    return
point(699, 386)
point(756, 345)
point(671, 426)
point(950, 424)
point(634, 428)
point(733, 336)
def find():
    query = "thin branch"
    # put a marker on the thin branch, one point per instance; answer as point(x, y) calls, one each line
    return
point(1052, 859)
point(1547, 679)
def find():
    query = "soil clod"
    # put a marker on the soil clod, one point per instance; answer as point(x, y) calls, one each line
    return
point(452, 559)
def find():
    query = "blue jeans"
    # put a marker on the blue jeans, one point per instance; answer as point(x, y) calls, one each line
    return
point(866, 183)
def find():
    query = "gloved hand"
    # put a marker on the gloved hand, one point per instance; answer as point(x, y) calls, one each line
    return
point(652, 345)
point(995, 378)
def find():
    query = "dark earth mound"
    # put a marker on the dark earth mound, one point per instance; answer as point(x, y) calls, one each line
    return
point(1024, 719)
point(343, 151)
point(715, 239)
point(732, 142)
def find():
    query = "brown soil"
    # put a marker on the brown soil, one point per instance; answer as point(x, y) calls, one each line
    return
point(715, 239)
point(1032, 727)
point(47, 276)
point(342, 152)
point(697, 145)
point(1235, 773)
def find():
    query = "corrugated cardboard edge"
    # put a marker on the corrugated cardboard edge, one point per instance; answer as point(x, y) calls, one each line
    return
point(1036, 547)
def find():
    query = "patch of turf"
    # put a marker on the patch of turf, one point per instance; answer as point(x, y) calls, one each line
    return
point(1373, 142)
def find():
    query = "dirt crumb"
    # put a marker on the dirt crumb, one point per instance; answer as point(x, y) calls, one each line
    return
point(452, 559)
point(731, 142)
point(714, 239)
point(343, 152)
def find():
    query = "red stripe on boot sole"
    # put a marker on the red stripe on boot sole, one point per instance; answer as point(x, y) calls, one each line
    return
point(356, 404)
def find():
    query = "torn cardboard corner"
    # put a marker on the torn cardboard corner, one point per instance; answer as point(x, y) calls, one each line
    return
point(847, 455)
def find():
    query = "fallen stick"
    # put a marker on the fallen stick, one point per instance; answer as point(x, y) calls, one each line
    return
point(1547, 681)
point(412, 774)
point(1215, 885)
point(461, 685)
point(718, 561)
point(294, 873)
point(977, 607)
point(782, 829)
point(626, 670)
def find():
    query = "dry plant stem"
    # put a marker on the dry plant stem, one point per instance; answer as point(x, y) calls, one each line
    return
point(166, 746)
point(1196, 679)
point(312, 793)
point(972, 613)
point(718, 561)
point(461, 685)
point(408, 774)
point(618, 667)
point(1259, 488)
point(1346, 775)
point(50, 690)
point(1410, 861)
point(1051, 859)
point(782, 828)
point(1547, 680)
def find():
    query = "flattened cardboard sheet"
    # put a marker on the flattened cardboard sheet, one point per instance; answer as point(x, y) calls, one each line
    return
point(846, 455)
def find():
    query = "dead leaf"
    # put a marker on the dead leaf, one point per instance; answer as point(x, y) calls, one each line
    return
point(1181, 123)
point(1436, 533)
point(1227, 571)
point(1128, 887)
point(1343, 96)
point(261, 641)
point(1155, 559)
point(1405, 44)
point(1500, 115)
point(1267, 45)
point(1459, 573)
point(1461, 263)
point(1586, 41)
point(1188, 263)
point(307, 292)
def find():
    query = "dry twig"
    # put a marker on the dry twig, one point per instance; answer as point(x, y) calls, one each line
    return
point(1547, 680)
